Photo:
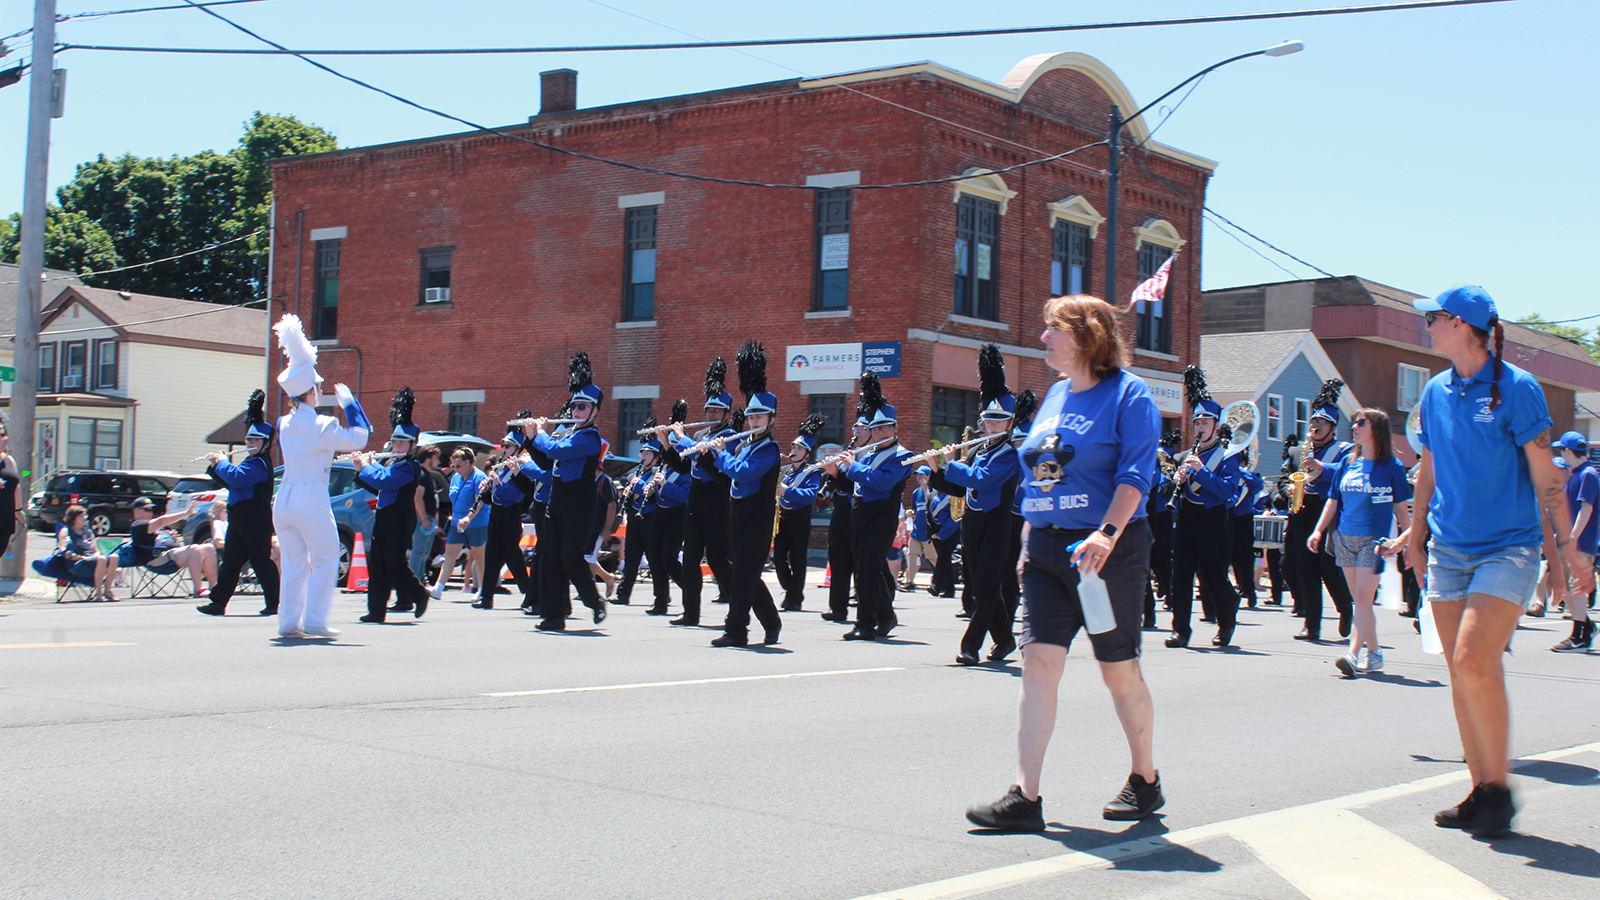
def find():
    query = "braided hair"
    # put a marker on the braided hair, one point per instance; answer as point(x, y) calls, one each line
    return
point(1498, 353)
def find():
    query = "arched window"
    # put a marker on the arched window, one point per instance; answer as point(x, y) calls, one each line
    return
point(980, 202)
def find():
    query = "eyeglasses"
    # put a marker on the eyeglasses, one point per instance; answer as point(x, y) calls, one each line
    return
point(1432, 317)
point(1361, 422)
point(576, 407)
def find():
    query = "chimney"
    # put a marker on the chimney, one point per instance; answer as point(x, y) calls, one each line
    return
point(558, 91)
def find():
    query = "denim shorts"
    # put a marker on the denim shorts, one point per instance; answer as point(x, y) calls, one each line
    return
point(1354, 550)
point(475, 536)
point(1509, 573)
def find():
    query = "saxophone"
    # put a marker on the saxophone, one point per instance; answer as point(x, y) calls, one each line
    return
point(1297, 489)
point(958, 504)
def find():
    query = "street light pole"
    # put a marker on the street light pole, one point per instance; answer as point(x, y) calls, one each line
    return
point(1114, 167)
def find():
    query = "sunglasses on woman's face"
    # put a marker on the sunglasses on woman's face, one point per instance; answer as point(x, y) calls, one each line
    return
point(1361, 422)
point(1433, 317)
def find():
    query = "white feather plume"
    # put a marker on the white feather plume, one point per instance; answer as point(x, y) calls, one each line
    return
point(292, 338)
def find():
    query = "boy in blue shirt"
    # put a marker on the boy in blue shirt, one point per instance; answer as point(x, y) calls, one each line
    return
point(1583, 494)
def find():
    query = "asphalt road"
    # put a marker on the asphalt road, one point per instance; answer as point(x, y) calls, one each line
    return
point(150, 751)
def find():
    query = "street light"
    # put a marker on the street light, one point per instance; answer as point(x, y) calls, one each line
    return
point(1117, 121)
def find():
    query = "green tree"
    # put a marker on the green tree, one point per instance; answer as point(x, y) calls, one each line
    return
point(1590, 340)
point(132, 209)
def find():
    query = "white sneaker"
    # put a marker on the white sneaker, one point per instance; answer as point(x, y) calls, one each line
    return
point(1374, 662)
point(436, 591)
point(1346, 663)
point(323, 632)
point(1361, 659)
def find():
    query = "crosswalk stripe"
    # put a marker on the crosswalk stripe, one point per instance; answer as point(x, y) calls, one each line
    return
point(66, 644)
point(656, 684)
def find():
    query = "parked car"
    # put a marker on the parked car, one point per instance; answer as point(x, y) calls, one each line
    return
point(205, 491)
point(107, 495)
point(354, 508)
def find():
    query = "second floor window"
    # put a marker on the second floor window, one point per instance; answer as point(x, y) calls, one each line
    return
point(436, 274)
point(47, 368)
point(105, 365)
point(631, 415)
point(74, 359)
point(1069, 259)
point(1409, 386)
point(1155, 318)
point(1274, 417)
point(837, 415)
point(639, 285)
point(326, 292)
point(977, 243)
point(831, 285)
point(953, 410)
point(464, 417)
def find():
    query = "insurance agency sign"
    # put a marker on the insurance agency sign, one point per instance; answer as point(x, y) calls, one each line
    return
point(819, 362)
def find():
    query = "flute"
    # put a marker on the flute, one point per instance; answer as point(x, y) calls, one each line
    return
point(520, 423)
point(836, 458)
point(703, 446)
point(686, 426)
point(229, 455)
point(930, 454)
point(347, 457)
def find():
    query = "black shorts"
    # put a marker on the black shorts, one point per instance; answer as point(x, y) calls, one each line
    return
point(1051, 613)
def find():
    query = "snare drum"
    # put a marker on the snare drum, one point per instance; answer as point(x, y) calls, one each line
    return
point(1269, 531)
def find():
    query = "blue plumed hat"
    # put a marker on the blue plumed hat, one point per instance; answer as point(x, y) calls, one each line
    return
point(752, 362)
point(255, 422)
point(874, 408)
point(808, 429)
point(994, 398)
point(580, 381)
point(1326, 404)
point(716, 376)
point(400, 416)
point(1207, 409)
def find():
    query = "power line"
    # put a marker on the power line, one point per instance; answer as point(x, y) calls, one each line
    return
point(205, 249)
point(124, 12)
point(787, 42)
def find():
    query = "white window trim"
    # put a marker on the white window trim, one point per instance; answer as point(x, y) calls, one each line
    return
point(635, 391)
point(829, 313)
point(1159, 232)
point(1298, 427)
point(638, 323)
point(1155, 354)
point(981, 323)
point(1077, 210)
point(985, 185)
point(631, 201)
point(449, 397)
point(1270, 398)
point(1400, 384)
point(834, 180)
point(330, 234)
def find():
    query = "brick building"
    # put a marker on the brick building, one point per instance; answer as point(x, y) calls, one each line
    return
point(470, 266)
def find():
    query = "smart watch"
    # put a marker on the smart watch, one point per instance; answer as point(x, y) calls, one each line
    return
point(1109, 530)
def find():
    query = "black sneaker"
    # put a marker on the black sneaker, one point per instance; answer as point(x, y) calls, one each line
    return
point(1138, 799)
point(1463, 813)
point(1579, 642)
point(1013, 812)
point(1487, 811)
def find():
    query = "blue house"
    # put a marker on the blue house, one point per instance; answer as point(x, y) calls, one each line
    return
point(1281, 371)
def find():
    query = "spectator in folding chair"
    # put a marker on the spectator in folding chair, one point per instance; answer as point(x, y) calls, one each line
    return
point(77, 547)
point(155, 544)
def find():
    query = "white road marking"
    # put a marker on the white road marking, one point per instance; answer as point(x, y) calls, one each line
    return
point(67, 644)
point(658, 684)
point(1034, 870)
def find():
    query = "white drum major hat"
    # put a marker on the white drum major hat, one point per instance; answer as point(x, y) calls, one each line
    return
point(300, 372)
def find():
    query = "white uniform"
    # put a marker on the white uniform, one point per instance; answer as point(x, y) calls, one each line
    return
point(304, 518)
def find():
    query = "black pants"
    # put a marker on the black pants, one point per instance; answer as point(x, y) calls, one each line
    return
point(705, 533)
point(504, 548)
point(387, 565)
point(633, 546)
point(943, 583)
point(567, 534)
point(789, 548)
point(841, 559)
point(1310, 572)
point(666, 539)
point(1200, 545)
point(247, 542)
point(1244, 557)
point(1275, 573)
point(1161, 551)
point(986, 535)
point(752, 525)
point(1010, 581)
point(873, 524)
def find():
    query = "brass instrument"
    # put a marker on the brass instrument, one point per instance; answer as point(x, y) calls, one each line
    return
point(686, 426)
point(229, 455)
point(347, 457)
point(1240, 418)
point(1297, 478)
point(958, 503)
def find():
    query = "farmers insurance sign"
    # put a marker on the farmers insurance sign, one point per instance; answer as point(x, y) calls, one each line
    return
point(817, 362)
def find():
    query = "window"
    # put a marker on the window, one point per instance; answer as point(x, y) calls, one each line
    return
point(1155, 327)
point(47, 368)
point(1069, 259)
point(1274, 417)
point(831, 283)
point(639, 277)
point(105, 365)
point(325, 324)
point(839, 416)
point(464, 417)
point(953, 410)
point(1409, 386)
point(977, 240)
point(1302, 417)
point(436, 274)
point(631, 414)
point(74, 357)
point(93, 441)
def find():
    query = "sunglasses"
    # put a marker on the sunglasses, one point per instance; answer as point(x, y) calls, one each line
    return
point(1361, 422)
point(1432, 317)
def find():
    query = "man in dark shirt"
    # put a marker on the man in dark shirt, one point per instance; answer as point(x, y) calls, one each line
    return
point(152, 548)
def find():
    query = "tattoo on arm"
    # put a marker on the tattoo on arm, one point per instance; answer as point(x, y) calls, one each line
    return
point(1542, 440)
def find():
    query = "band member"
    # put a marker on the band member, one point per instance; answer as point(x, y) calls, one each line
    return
point(1158, 512)
point(797, 497)
point(1313, 570)
point(919, 536)
point(669, 491)
point(841, 536)
point(249, 505)
point(752, 470)
point(1206, 480)
point(308, 540)
point(395, 482)
point(507, 493)
point(635, 513)
point(946, 530)
point(1011, 581)
point(568, 529)
point(990, 480)
point(879, 476)
point(1242, 515)
point(705, 529)
point(536, 471)
point(1583, 495)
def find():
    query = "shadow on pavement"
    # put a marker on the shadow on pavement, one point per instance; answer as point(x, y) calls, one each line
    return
point(1543, 853)
point(1559, 772)
point(1403, 681)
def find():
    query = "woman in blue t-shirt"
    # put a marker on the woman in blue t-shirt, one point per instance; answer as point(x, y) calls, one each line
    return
point(1369, 488)
point(1087, 463)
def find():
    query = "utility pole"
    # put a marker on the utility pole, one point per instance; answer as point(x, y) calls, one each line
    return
point(30, 257)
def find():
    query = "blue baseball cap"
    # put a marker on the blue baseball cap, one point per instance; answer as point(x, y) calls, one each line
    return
point(1467, 302)
point(924, 470)
point(1574, 441)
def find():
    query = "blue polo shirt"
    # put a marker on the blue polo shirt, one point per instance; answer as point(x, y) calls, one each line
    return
point(1367, 492)
point(1584, 487)
point(1250, 487)
point(1091, 442)
point(1483, 496)
point(464, 496)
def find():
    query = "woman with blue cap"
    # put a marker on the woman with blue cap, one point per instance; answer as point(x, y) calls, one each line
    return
point(1486, 475)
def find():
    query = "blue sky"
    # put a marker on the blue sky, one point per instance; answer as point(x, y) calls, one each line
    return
point(1418, 148)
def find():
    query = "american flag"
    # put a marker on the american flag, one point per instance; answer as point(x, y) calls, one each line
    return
point(1154, 288)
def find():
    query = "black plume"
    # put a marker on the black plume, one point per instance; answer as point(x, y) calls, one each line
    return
point(716, 375)
point(579, 375)
point(256, 410)
point(524, 414)
point(871, 394)
point(400, 409)
point(752, 362)
point(1329, 395)
point(1173, 439)
point(737, 420)
point(650, 423)
point(1194, 386)
point(991, 375)
point(812, 424)
point(1289, 443)
point(1027, 405)
point(680, 411)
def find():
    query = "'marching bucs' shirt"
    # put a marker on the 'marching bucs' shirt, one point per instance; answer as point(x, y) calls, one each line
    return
point(1083, 445)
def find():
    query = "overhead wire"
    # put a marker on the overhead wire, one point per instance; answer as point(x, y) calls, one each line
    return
point(206, 249)
point(214, 308)
point(123, 12)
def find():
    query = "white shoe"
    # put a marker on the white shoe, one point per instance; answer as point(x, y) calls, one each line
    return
point(292, 634)
point(436, 591)
point(1361, 659)
point(323, 632)
point(1346, 664)
point(1374, 662)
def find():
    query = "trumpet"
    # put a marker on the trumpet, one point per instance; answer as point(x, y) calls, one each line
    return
point(347, 457)
point(520, 423)
point(703, 446)
point(838, 457)
point(686, 426)
point(229, 455)
point(930, 454)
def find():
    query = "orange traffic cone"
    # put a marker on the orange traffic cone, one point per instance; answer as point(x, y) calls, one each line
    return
point(827, 577)
point(358, 567)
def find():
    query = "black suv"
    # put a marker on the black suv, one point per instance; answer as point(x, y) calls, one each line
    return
point(108, 496)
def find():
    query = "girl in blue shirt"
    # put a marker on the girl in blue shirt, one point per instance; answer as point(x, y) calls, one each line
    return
point(1087, 463)
point(1368, 488)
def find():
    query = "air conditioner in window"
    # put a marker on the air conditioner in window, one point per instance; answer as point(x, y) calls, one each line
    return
point(108, 462)
point(436, 295)
point(71, 382)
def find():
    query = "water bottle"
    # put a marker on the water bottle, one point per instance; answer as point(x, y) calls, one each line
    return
point(1092, 597)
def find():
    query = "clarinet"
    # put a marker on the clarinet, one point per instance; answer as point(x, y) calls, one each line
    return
point(1178, 486)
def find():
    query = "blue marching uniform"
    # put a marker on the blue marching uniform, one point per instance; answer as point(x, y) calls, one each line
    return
point(790, 544)
point(879, 479)
point(705, 528)
point(990, 480)
point(392, 529)
point(249, 538)
point(567, 532)
point(507, 497)
point(670, 501)
point(752, 470)
point(1202, 545)
point(637, 513)
point(1243, 515)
